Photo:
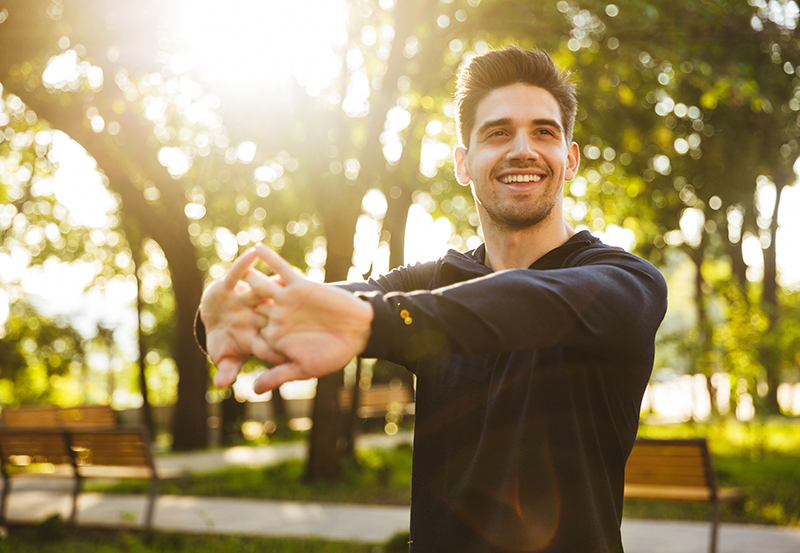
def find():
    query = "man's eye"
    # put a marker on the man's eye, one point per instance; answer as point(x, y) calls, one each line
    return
point(545, 131)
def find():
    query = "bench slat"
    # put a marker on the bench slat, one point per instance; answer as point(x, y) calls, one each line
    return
point(34, 444)
point(377, 399)
point(116, 449)
point(668, 492)
point(84, 416)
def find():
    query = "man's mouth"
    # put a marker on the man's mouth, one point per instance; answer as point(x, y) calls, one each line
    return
point(509, 179)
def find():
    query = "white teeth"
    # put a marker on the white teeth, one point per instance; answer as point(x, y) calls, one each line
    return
point(521, 178)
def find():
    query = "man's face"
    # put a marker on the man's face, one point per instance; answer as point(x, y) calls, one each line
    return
point(518, 157)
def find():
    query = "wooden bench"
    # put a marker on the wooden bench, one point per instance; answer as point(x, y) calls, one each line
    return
point(85, 416)
point(378, 400)
point(79, 454)
point(677, 470)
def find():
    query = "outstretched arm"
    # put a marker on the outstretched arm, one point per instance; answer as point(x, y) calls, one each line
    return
point(232, 323)
point(317, 328)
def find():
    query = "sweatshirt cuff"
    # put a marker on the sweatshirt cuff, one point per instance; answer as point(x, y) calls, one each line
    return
point(400, 332)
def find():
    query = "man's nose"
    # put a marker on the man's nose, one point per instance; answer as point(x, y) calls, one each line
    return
point(522, 148)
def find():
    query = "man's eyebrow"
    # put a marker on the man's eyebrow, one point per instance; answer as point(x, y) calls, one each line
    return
point(503, 121)
point(491, 123)
point(548, 123)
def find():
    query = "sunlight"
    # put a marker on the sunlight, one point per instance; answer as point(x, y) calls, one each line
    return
point(5, 304)
point(263, 42)
point(76, 183)
point(788, 234)
point(426, 238)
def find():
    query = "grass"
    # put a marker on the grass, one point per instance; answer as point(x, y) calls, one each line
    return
point(762, 458)
point(374, 477)
point(51, 536)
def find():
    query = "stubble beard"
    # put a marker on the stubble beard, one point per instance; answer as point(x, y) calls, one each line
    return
point(522, 215)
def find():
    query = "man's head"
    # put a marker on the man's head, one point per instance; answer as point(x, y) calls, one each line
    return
point(499, 68)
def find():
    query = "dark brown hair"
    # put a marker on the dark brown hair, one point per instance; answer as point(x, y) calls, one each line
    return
point(498, 68)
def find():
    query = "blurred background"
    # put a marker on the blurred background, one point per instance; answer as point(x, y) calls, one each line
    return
point(143, 145)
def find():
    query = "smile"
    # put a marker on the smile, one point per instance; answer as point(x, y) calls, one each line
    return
point(508, 179)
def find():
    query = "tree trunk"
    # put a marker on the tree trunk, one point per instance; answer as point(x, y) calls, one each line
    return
point(399, 201)
point(135, 243)
point(232, 414)
point(278, 406)
point(769, 351)
point(703, 363)
point(324, 451)
point(166, 224)
point(351, 426)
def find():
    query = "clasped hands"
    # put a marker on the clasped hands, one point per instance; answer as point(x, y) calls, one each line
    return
point(306, 329)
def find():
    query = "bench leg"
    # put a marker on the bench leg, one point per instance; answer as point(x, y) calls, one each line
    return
point(75, 491)
point(6, 489)
point(151, 503)
point(714, 527)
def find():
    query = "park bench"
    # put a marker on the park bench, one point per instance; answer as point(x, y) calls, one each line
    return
point(85, 416)
point(378, 400)
point(76, 443)
point(677, 470)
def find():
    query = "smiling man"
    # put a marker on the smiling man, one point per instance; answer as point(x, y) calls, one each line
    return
point(531, 352)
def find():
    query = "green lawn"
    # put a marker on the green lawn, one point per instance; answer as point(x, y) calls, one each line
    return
point(761, 458)
point(374, 477)
point(53, 537)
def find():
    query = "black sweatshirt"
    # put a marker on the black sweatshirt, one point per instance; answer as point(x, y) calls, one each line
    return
point(529, 385)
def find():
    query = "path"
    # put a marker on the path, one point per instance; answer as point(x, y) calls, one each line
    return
point(32, 501)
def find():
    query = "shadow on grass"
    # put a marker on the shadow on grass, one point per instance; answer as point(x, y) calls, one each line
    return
point(53, 536)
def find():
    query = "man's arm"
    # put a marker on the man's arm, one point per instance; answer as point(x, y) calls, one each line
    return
point(610, 305)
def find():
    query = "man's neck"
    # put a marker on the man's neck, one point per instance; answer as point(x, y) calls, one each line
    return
point(519, 249)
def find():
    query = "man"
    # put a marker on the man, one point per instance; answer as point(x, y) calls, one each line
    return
point(531, 352)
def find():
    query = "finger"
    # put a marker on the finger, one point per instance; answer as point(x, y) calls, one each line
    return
point(265, 352)
point(262, 285)
point(264, 309)
point(278, 264)
point(271, 379)
point(239, 267)
point(227, 371)
point(259, 320)
point(251, 298)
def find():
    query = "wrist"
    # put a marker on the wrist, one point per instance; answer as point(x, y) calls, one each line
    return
point(364, 328)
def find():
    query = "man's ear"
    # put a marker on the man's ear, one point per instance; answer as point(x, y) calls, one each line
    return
point(573, 161)
point(460, 157)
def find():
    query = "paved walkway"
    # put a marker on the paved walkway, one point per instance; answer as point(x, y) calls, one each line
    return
point(32, 501)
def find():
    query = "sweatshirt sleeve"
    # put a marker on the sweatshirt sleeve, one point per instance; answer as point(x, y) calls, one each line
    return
point(611, 303)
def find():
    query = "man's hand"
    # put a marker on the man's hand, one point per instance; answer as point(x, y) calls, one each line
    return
point(317, 328)
point(233, 324)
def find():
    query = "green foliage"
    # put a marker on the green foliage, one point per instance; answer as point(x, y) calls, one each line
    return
point(35, 353)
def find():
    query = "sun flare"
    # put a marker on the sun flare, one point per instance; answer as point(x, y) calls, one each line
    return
point(249, 43)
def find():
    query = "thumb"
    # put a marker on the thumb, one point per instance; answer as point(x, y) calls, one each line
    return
point(227, 371)
point(274, 377)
